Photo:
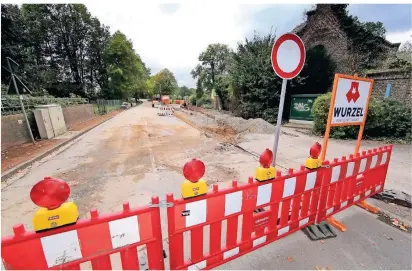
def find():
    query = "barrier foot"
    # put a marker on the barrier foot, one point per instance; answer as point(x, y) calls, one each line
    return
point(337, 224)
point(363, 204)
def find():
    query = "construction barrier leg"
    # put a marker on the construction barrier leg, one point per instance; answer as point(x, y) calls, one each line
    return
point(336, 223)
point(363, 204)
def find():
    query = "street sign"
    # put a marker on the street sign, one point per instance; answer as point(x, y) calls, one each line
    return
point(288, 58)
point(351, 101)
point(348, 105)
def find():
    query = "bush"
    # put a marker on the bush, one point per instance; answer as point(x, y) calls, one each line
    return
point(386, 119)
point(192, 99)
point(205, 99)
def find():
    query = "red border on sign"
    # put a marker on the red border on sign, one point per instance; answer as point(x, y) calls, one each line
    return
point(275, 48)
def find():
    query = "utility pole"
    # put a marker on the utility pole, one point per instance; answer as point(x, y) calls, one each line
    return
point(20, 98)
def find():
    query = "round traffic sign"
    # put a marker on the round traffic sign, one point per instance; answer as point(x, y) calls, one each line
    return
point(288, 56)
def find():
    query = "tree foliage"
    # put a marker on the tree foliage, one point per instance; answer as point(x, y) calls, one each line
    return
point(212, 70)
point(63, 49)
point(256, 87)
point(317, 73)
point(164, 83)
point(126, 72)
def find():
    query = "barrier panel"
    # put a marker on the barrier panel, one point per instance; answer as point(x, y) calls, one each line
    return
point(245, 217)
point(89, 240)
point(284, 206)
point(350, 180)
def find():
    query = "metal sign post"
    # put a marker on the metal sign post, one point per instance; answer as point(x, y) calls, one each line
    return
point(20, 99)
point(288, 58)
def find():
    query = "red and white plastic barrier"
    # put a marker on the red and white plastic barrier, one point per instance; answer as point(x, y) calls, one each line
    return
point(91, 240)
point(165, 111)
point(351, 180)
point(289, 203)
point(248, 215)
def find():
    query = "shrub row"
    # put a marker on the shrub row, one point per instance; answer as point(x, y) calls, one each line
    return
point(385, 119)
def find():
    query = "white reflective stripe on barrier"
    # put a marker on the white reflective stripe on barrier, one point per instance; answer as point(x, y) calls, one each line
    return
point(264, 193)
point(362, 165)
point(349, 169)
point(335, 174)
point(230, 253)
point(373, 162)
point(283, 230)
point(303, 221)
point(343, 204)
point(289, 187)
point(259, 241)
point(310, 180)
point(233, 203)
point(61, 248)
point(124, 231)
point(197, 266)
point(197, 211)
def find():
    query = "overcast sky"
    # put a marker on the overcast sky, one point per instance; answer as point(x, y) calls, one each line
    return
point(172, 35)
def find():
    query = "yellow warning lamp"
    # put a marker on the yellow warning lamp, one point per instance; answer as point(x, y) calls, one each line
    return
point(50, 195)
point(266, 171)
point(313, 161)
point(194, 185)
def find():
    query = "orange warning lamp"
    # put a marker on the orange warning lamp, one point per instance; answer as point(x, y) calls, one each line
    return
point(50, 195)
point(266, 171)
point(313, 161)
point(194, 185)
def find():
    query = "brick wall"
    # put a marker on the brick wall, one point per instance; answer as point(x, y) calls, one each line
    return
point(14, 129)
point(401, 86)
point(77, 114)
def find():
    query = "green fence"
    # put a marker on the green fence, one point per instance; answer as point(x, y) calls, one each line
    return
point(102, 107)
point(301, 106)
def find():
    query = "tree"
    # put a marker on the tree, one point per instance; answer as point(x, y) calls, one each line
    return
point(164, 82)
point(126, 72)
point(255, 86)
point(184, 91)
point(317, 73)
point(61, 48)
point(213, 65)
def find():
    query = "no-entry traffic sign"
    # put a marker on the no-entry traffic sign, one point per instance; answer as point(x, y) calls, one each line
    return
point(288, 56)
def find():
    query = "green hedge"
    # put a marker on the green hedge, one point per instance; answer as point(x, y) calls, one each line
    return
point(386, 119)
point(10, 103)
point(205, 99)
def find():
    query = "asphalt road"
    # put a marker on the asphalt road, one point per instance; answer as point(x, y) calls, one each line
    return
point(367, 244)
point(139, 154)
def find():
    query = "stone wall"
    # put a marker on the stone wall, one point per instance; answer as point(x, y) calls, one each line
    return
point(77, 114)
point(400, 80)
point(14, 130)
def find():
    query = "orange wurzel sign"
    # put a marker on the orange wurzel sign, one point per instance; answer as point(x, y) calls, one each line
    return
point(348, 105)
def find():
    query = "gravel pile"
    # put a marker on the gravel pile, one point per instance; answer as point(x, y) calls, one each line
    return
point(241, 126)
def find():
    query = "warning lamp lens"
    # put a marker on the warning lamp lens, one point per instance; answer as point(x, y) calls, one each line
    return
point(266, 158)
point(194, 170)
point(315, 150)
point(50, 193)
